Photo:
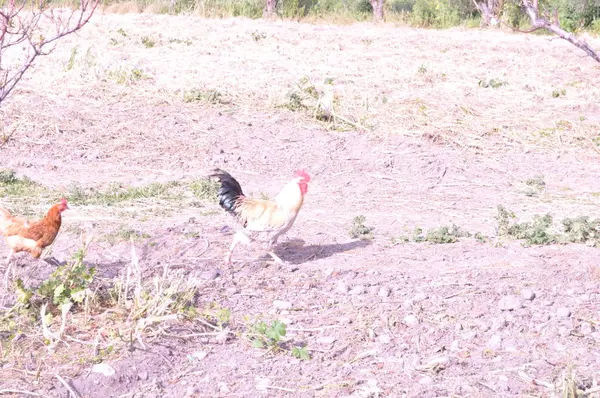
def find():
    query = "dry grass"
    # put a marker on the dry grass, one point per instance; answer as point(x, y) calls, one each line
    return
point(392, 80)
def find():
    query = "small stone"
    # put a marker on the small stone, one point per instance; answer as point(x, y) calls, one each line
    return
point(455, 346)
point(498, 324)
point(527, 294)
point(223, 387)
point(495, 342)
point(385, 339)
point(373, 290)
point(341, 288)
point(510, 303)
point(328, 272)
point(326, 340)
point(345, 320)
point(564, 331)
point(199, 355)
point(232, 290)
point(426, 380)
point(411, 320)
point(563, 312)
point(548, 303)
point(384, 292)
point(541, 317)
point(210, 275)
point(191, 391)
point(357, 290)
point(510, 345)
point(586, 328)
point(103, 368)
point(262, 383)
point(595, 336)
point(420, 297)
point(143, 375)
point(221, 337)
point(282, 305)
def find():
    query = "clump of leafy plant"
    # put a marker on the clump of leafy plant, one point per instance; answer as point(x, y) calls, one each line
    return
point(302, 96)
point(68, 283)
point(301, 353)
point(581, 230)
point(536, 232)
point(263, 335)
point(359, 230)
point(441, 235)
point(445, 234)
point(536, 184)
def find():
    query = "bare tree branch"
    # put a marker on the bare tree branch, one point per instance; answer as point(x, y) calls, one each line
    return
point(540, 22)
point(28, 24)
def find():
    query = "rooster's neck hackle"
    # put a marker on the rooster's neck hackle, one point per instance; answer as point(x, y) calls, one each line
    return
point(290, 197)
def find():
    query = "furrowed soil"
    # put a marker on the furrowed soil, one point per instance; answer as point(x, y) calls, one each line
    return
point(429, 129)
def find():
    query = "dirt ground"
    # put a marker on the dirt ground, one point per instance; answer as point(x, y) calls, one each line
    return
point(466, 319)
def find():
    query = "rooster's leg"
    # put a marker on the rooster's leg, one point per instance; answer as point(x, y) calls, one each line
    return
point(277, 259)
point(239, 237)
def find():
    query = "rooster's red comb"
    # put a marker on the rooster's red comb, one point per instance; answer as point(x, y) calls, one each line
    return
point(303, 174)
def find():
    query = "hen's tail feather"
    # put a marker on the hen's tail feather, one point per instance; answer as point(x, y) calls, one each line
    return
point(5, 220)
point(230, 191)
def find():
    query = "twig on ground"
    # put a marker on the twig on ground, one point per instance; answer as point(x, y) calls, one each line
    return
point(69, 388)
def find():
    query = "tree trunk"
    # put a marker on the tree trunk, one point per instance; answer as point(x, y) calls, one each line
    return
point(269, 11)
point(377, 6)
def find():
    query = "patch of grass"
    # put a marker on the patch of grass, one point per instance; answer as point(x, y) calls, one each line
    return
point(175, 40)
point(559, 93)
point(535, 185)
point(126, 76)
point(258, 36)
point(11, 185)
point(493, 83)
point(148, 42)
point(205, 189)
point(122, 32)
point(71, 61)
point(200, 95)
point(359, 230)
point(116, 193)
point(125, 233)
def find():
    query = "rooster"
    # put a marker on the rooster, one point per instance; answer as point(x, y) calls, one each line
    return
point(262, 220)
point(30, 236)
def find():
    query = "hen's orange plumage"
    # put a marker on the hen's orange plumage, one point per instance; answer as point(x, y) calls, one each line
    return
point(263, 220)
point(31, 236)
